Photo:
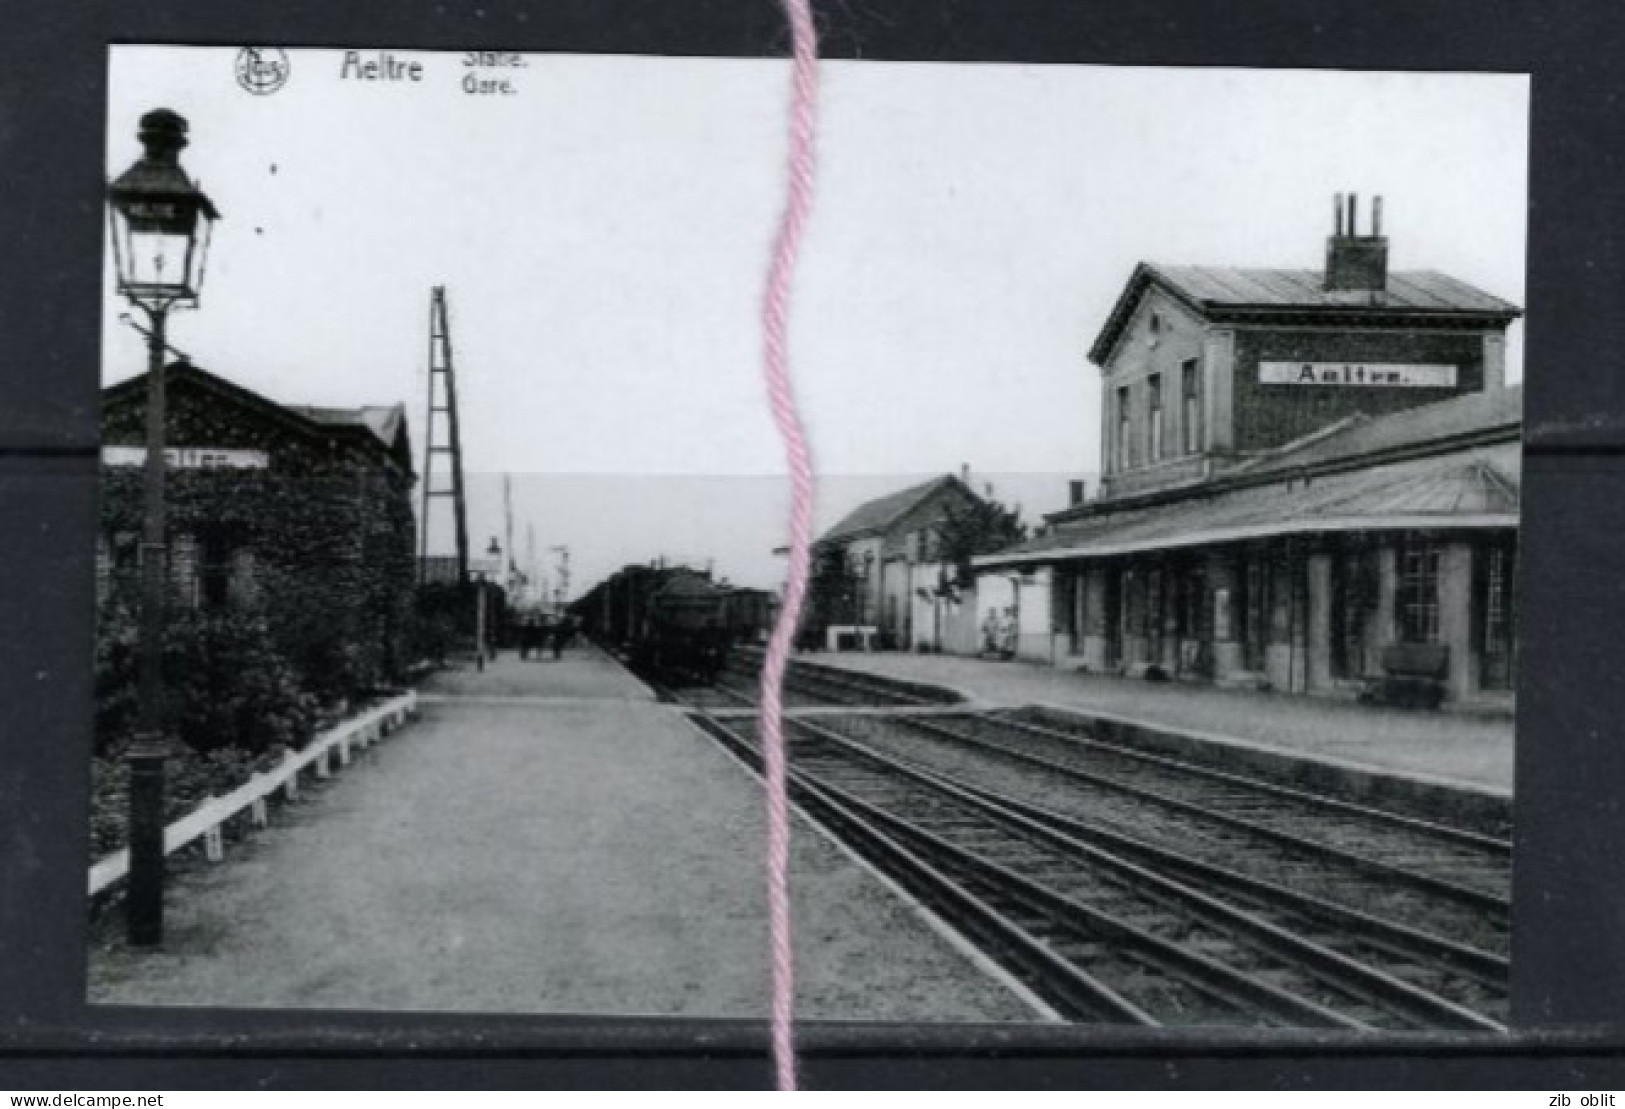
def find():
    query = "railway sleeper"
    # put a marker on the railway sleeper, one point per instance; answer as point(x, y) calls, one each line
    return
point(1336, 970)
point(1484, 901)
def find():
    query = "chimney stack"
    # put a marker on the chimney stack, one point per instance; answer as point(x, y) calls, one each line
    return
point(1356, 262)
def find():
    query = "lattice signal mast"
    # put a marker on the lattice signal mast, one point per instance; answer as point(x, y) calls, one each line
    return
point(441, 437)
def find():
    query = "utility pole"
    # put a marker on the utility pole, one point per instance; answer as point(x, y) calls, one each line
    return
point(512, 577)
point(563, 590)
point(532, 572)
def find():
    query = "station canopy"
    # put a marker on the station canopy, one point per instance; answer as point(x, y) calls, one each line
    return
point(1463, 490)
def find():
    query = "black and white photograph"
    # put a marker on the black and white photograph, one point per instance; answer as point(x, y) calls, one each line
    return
point(1158, 660)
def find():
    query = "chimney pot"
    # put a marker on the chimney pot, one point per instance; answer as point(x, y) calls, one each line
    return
point(1354, 262)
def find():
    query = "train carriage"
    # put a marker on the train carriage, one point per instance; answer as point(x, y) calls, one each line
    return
point(671, 622)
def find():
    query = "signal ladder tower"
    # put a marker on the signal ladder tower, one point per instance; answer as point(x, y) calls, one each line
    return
point(441, 437)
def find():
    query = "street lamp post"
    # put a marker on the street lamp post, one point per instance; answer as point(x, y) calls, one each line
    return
point(871, 594)
point(494, 553)
point(159, 248)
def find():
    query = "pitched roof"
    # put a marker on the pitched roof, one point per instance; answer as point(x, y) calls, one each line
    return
point(876, 516)
point(1475, 488)
point(1494, 413)
point(1220, 291)
point(184, 370)
point(1421, 290)
point(383, 421)
point(386, 423)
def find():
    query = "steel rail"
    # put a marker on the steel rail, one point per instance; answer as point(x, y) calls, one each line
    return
point(1499, 907)
point(1485, 966)
point(1074, 992)
point(1377, 986)
point(1490, 844)
point(1059, 913)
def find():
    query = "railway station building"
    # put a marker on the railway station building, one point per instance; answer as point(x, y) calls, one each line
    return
point(302, 512)
point(1310, 484)
point(893, 549)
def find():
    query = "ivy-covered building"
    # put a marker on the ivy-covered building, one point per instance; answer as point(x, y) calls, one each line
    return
point(299, 519)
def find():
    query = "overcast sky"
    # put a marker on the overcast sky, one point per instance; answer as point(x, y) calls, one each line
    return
point(603, 233)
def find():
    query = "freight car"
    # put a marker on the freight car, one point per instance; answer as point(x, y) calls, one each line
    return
point(670, 622)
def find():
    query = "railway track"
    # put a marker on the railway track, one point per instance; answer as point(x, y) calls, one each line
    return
point(819, 685)
point(1108, 928)
point(1431, 877)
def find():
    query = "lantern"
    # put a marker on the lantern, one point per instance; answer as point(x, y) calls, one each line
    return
point(159, 240)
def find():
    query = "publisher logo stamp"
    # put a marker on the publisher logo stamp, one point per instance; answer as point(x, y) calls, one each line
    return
point(262, 69)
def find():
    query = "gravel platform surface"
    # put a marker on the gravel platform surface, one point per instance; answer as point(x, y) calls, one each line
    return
point(546, 839)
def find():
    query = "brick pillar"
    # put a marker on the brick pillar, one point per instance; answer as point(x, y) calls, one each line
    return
point(1093, 588)
point(1172, 580)
point(1384, 629)
point(1319, 624)
point(1495, 362)
point(1455, 616)
point(1281, 663)
point(1221, 576)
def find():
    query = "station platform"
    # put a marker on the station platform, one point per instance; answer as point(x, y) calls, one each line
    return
point(1460, 750)
point(547, 838)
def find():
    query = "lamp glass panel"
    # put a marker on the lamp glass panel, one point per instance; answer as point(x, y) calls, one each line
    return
point(159, 260)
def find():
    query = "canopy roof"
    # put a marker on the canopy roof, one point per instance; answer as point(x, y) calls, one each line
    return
point(876, 517)
point(1468, 489)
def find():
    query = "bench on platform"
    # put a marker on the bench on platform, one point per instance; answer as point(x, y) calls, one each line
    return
point(852, 637)
point(1413, 675)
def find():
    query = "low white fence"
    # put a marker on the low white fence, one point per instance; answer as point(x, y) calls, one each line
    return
point(204, 822)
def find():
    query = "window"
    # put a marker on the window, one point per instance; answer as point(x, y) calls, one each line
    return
point(1122, 428)
point(213, 569)
point(1154, 387)
point(1418, 600)
point(1192, 421)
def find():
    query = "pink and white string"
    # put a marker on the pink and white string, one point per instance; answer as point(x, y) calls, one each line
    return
point(781, 398)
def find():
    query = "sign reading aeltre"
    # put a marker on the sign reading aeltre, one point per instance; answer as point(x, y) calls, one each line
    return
point(1415, 375)
point(191, 458)
point(382, 66)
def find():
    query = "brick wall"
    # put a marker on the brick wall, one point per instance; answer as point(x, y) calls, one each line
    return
point(1270, 415)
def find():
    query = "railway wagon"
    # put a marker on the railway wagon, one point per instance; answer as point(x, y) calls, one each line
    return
point(750, 615)
point(685, 633)
point(670, 621)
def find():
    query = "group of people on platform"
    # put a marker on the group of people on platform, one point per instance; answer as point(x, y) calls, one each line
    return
point(541, 633)
point(999, 633)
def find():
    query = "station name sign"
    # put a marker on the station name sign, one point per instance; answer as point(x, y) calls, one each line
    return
point(1415, 375)
point(190, 458)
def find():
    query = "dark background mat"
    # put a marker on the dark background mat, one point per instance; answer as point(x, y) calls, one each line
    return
point(1569, 954)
